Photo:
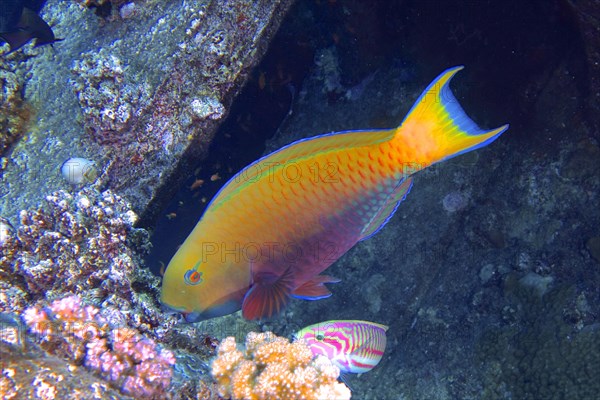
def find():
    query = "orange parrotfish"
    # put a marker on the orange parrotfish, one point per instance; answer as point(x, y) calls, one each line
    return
point(353, 346)
point(274, 227)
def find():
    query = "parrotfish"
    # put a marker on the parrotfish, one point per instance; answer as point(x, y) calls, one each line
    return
point(353, 346)
point(276, 225)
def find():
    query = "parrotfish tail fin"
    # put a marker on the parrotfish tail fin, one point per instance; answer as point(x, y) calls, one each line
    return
point(268, 295)
point(314, 289)
point(437, 128)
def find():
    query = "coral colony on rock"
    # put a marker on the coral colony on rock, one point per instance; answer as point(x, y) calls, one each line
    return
point(483, 285)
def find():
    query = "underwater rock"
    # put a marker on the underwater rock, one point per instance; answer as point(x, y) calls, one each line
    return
point(581, 165)
point(372, 293)
point(539, 284)
point(14, 111)
point(107, 102)
point(586, 14)
point(540, 356)
point(124, 88)
point(128, 10)
point(487, 272)
point(593, 245)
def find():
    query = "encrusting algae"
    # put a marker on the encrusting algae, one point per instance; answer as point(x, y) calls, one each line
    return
point(271, 367)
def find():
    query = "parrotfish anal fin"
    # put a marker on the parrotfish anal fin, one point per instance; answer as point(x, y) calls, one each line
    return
point(389, 208)
point(268, 295)
point(314, 289)
point(438, 126)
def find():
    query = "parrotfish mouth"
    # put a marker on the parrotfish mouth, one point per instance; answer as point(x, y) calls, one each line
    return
point(181, 316)
point(197, 316)
point(168, 310)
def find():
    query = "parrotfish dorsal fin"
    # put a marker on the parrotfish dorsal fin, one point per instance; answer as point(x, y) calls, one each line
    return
point(314, 289)
point(389, 208)
point(267, 296)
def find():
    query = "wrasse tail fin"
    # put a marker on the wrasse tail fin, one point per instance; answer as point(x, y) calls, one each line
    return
point(437, 128)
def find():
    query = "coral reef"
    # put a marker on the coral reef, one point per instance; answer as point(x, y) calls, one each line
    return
point(81, 243)
point(84, 243)
point(271, 367)
point(122, 356)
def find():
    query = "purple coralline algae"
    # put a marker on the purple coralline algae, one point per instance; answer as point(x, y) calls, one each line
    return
point(81, 243)
point(130, 361)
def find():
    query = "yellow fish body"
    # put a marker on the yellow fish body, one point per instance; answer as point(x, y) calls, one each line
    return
point(280, 222)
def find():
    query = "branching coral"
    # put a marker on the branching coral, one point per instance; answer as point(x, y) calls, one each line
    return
point(130, 361)
point(271, 367)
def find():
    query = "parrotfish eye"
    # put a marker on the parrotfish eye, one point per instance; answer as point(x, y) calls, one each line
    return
point(319, 336)
point(192, 277)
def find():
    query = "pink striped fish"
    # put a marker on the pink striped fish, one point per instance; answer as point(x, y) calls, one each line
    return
point(353, 346)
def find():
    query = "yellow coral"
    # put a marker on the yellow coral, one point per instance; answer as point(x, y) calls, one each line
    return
point(271, 367)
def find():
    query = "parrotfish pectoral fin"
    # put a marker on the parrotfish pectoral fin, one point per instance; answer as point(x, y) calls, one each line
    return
point(315, 289)
point(389, 208)
point(437, 128)
point(267, 296)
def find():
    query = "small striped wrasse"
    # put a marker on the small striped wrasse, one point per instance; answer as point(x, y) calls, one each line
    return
point(353, 346)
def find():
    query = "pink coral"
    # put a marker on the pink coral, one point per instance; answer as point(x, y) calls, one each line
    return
point(130, 361)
